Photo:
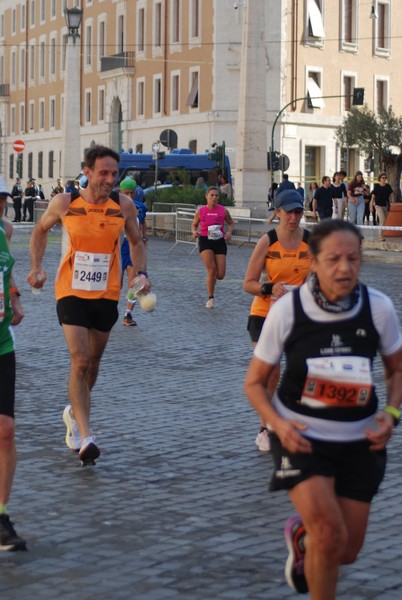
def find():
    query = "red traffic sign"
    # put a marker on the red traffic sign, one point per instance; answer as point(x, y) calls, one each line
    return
point(19, 145)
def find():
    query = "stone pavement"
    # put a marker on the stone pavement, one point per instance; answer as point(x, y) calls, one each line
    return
point(177, 506)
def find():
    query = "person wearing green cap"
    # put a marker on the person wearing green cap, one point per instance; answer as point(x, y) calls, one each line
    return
point(129, 187)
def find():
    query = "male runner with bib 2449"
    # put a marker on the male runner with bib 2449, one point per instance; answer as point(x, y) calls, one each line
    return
point(88, 280)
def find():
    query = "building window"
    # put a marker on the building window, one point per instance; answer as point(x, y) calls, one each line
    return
point(102, 39)
point(40, 164)
point(23, 17)
point(12, 119)
point(195, 18)
point(175, 102)
point(22, 118)
point(138, 148)
point(101, 105)
point(53, 8)
point(32, 15)
point(32, 62)
point(52, 113)
point(175, 19)
point(42, 59)
point(314, 90)
point(383, 28)
point(31, 116)
point(53, 56)
point(12, 68)
point(88, 106)
point(140, 97)
point(41, 114)
point(157, 95)
point(42, 11)
point(64, 52)
point(88, 46)
point(30, 164)
point(120, 33)
point(141, 30)
point(381, 95)
point(22, 65)
point(20, 165)
point(349, 83)
point(312, 163)
point(315, 21)
point(192, 145)
point(157, 24)
point(11, 166)
point(192, 100)
point(349, 24)
point(50, 168)
point(14, 21)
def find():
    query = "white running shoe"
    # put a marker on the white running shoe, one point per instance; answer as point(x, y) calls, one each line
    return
point(89, 451)
point(210, 303)
point(73, 437)
point(262, 440)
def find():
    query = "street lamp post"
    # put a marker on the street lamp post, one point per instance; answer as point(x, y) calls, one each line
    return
point(155, 155)
point(70, 146)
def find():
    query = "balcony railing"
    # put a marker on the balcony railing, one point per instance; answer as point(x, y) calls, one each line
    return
point(122, 60)
point(4, 89)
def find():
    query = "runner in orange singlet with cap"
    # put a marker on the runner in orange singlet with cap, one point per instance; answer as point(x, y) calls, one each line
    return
point(282, 255)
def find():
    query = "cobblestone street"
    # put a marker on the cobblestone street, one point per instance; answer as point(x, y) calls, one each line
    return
point(177, 506)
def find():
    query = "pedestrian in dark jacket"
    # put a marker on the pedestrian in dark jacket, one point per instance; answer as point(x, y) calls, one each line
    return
point(16, 193)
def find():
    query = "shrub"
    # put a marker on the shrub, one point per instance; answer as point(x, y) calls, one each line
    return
point(182, 195)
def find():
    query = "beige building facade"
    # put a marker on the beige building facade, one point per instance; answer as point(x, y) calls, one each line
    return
point(331, 48)
point(148, 65)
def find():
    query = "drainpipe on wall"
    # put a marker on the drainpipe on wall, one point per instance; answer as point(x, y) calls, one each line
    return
point(27, 7)
point(165, 83)
point(295, 42)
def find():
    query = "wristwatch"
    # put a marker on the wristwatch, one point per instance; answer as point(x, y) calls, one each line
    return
point(395, 412)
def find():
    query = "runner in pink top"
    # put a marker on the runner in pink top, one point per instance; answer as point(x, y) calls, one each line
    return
point(212, 239)
point(214, 218)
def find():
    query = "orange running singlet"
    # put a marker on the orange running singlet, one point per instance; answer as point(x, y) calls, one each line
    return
point(90, 267)
point(288, 267)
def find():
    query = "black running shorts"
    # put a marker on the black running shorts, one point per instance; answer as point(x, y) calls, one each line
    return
point(97, 314)
point(254, 327)
point(7, 392)
point(217, 246)
point(358, 471)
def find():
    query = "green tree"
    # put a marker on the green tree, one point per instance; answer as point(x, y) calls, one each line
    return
point(380, 133)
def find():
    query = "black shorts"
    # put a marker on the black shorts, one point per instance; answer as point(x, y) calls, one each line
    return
point(358, 471)
point(7, 392)
point(99, 314)
point(254, 327)
point(217, 246)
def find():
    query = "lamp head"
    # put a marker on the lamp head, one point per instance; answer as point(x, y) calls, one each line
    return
point(73, 18)
point(373, 12)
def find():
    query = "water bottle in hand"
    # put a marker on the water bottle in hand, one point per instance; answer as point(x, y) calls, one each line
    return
point(37, 291)
point(147, 300)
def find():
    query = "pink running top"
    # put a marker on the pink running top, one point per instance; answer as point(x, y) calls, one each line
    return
point(211, 216)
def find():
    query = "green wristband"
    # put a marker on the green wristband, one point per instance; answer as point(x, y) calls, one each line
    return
point(395, 412)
